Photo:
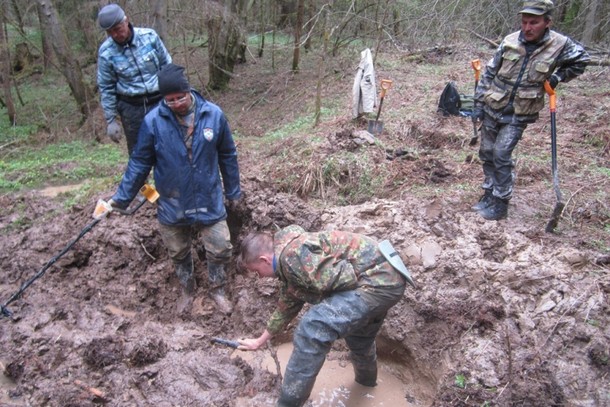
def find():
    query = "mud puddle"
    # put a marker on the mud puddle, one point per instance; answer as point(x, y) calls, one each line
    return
point(52, 192)
point(335, 385)
point(6, 386)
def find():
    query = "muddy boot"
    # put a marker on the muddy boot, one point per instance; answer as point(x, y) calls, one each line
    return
point(364, 360)
point(219, 297)
point(497, 210)
point(366, 377)
point(217, 276)
point(294, 392)
point(484, 201)
point(184, 271)
point(286, 400)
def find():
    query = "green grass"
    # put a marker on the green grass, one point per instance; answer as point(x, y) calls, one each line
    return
point(59, 164)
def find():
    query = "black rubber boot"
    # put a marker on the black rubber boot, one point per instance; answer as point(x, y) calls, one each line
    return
point(218, 277)
point(294, 392)
point(484, 201)
point(366, 377)
point(497, 210)
point(184, 271)
point(286, 400)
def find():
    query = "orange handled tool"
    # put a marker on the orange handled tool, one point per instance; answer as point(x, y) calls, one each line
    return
point(476, 65)
point(558, 210)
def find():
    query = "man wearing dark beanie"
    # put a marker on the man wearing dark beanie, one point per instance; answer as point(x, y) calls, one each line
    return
point(188, 142)
point(127, 66)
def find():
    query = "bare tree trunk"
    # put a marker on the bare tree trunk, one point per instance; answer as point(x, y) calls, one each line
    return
point(68, 64)
point(47, 47)
point(226, 42)
point(590, 26)
point(321, 68)
point(263, 26)
point(159, 15)
point(298, 25)
point(17, 12)
point(89, 30)
point(5, 73)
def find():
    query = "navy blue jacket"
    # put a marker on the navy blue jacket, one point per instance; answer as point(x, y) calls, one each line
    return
point(191, 190)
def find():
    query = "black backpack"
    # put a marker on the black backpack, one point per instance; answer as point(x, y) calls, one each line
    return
point(450, 103)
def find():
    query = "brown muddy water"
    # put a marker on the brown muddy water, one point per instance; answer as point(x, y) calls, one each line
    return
point(335, 385)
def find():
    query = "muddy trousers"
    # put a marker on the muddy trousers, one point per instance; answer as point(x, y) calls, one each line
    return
point(498, 140)
point(216, 240)
point(355, 315)
point(131, 119)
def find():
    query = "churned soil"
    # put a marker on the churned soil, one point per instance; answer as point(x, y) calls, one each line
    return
point(504, 314)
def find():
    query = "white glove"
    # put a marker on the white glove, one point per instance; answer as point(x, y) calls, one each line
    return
point(114, 131)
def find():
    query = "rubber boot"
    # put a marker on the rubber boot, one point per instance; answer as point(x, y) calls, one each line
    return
point(366, 377)
point(484, 201)
point(217, 277)
point(184, 271)
point(363, 354)
point(294, 393)
point(286, 400)
point(497, 210)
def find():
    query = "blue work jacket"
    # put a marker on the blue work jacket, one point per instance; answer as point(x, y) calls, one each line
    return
point(191, 189)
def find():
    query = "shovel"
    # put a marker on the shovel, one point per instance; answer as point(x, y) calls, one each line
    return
point(476, 65)
point(558, 210)
point(102, 209)
point(375, 126)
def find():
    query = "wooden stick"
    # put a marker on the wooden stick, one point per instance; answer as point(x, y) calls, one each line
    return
point(92, 390)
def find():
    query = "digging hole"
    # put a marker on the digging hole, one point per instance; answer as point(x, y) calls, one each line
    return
point(399, 382)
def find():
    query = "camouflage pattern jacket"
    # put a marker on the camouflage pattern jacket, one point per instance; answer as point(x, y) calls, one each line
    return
point(311, 266)
point(516, 74)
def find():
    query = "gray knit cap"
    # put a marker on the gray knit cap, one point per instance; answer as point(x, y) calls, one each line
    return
point(109, 16)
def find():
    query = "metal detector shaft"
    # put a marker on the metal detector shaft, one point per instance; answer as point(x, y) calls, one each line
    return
point(3, 308)
point(5, 311)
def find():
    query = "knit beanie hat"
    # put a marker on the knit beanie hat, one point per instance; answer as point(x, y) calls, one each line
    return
point(109, 16)
point(172, 80)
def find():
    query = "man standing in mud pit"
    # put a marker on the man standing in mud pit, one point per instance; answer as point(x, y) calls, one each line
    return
point(511, 93)
point(127, 66)
point(188, 141)
point(352, 286)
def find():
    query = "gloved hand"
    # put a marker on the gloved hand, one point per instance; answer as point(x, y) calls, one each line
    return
point(114, 131)
point(554, 80)
point(477, 113)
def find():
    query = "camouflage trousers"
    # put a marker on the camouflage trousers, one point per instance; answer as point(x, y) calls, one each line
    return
point(355, 315)
point(215, 238)
point(498, 140)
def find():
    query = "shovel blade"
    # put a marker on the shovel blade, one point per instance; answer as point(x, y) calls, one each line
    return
point(375, 127)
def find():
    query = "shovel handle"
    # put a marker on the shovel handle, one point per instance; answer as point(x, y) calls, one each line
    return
point(552, 97)
point(476, 65)
point(386, 84)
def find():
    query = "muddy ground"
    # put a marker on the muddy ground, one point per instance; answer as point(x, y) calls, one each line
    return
point(504, 314)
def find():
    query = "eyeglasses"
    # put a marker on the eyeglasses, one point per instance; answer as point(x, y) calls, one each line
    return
point(178, 101)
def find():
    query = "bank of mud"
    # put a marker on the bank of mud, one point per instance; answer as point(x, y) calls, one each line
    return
point(512, 315)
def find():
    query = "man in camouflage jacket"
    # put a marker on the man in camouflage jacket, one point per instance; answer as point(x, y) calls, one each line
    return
point(349, 281)
point(511, 93)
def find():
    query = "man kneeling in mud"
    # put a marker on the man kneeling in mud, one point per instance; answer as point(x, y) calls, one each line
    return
point(352, 286)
